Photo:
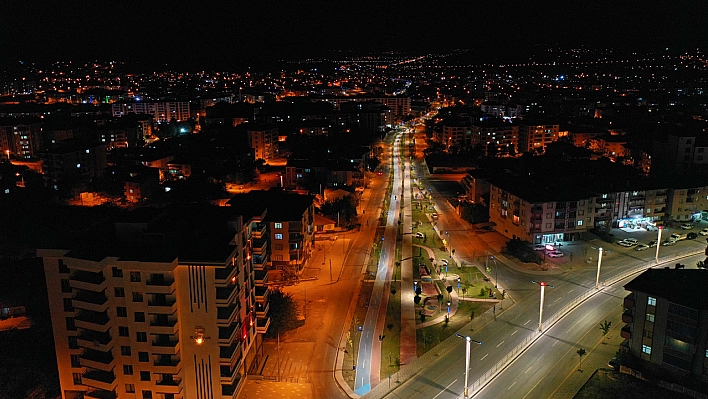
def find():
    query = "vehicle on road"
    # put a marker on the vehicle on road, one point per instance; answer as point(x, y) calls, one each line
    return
point(641, 247)
point(703, 232)
point(434, 216)
point(632, 241)
point(678, 237)
point(419, 234)
point(539, 247)
point(624, 243)
point(691, 236)
point(652, 244)
point(668, 242)
point(555, 254)
point(686, 226)
point(444, 261)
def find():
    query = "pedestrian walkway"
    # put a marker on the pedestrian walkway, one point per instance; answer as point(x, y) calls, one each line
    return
point(454, 299)
point(407, 340)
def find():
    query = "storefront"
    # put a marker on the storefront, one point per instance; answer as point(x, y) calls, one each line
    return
point(641, 223)
point(549, 238)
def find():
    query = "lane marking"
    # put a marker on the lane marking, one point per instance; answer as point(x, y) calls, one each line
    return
point(527, 370)
point(556, 300)
point(527, 322)
point(511, 385)
point(364, 364)
point(554, 344)
point(515, 331)
point(484, 356)
point(571, 290)
point(500, 344)
point(441, 392)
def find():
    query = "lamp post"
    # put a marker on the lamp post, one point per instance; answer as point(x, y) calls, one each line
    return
point(658, 244)
point(467, 359)
point(543, 293)
point(448, 310)
point(599, 262)
point(449, 240)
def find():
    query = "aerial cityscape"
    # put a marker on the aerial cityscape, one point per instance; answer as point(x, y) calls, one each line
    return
point(353, 200)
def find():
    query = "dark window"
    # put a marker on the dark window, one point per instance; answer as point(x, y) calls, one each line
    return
point(123, 331)
point(62, 267)
point(68, 307)
point(70, 324)
point(75, 362)
point(121, 311)
point(137, 297)
point(134, 277)
point(139, 317)
point(73, 343)
point(141, 336)
point(143, 357)
point(119, 292)
point(77, 378)
point(129, 388)
point(117, 272)
point(125, 350)
point(65, 286)
point(147, 394)
point(144, 376)
point(128, 369)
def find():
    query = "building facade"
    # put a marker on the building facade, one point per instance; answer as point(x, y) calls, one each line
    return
point(161, 111)
point(535, 137)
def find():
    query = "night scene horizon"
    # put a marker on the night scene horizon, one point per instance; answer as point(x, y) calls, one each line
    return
point(353, 199)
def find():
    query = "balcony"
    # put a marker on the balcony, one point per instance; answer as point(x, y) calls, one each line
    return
point(165, 346)
point(226, 273)
point(627, 317)
point(105, 380)
point(159, 284)
point(262, 325)
point(231, 354)
point(261, 294)
point(97, 359)
point(90, 300)
point(259, 261)
point(84, 280)
point(228, 334)
point(626, 332)
point(261, 277)
point(90, 339)
point(162, 304)
point(169, 386)
point(259, 230)
point(100, 394)
point(226, 294)
point(258, 246)
point(225, 315)
point(167, 325)
point(629, 301)
point(261, 310)
point(92, 321)
point(167, 365)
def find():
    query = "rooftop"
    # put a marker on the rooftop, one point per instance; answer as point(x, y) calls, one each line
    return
point(681, 286)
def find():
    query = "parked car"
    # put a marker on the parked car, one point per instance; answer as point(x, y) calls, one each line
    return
point(668, 242)
point(691, 236)
point(539, 247)
point(641, 247)
point(444, 261)
point(686, 226)
point(623, 243)
point(555, 254)
point(419, 234)
point(703, 232)
point(652, 244)
point(678, 237)
point(632, 241)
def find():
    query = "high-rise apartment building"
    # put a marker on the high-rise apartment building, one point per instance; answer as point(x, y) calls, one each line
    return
point(536, 135)
point(162, 111)
point(168, 304)
point(263, 140)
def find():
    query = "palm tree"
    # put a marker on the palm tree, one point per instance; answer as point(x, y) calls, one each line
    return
point(581, 352)
point(605, 327)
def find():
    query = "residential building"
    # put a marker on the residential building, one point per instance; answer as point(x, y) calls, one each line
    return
point(166, 305)
point(73, 158)
point(503, 136)
point(685, 202)
point(263, 140)
point(20, 137)
point(162, 111)
point(535, 136)
point(667, 324)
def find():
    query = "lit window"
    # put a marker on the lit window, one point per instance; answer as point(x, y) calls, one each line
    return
point(278, 225)
point(650, 317)
point(651, 301)
point(278, 236)
point(646, 349)
point(580, 222)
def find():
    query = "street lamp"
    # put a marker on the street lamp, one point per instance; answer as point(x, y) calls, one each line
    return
point(599, 262)
point(467, 359)
point(658, 244)
point(448, 310)
point(449, 240)
point(543, 293)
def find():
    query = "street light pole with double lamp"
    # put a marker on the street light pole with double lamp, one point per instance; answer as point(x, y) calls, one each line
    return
point(467, 360)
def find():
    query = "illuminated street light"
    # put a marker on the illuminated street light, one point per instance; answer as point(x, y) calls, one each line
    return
point(543, 293)
point(658, 244)
point(467, 359)
point(599, 262)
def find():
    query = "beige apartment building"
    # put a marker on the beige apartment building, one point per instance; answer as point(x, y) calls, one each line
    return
point(263, 140)
point(167, 304)
point(536, 136)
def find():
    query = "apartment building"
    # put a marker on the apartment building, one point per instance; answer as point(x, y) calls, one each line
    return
point(161, 111)
point(73, 158)
point(20, 137)
point(168, 304)
point(641, 207)
point(667, 324)
point(263, 141)
point(532, 210)
point(535, 136)
point(502, 135)
point(686, 202)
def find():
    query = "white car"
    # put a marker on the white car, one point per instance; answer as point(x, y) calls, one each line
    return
point(641, 247)
point(625, 243)
point(703, 232)
point(541, 247)
point(419, 234)
point(444, 261)
point(555, 254)
point(686, 226)
point(668, 242)
point(632, 241)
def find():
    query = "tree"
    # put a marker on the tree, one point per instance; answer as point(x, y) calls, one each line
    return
point(581, 352)
point(605, 327)
point(283, 313)
point(503, 294)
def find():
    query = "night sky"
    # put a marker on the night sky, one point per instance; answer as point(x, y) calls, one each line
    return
point(215, 34)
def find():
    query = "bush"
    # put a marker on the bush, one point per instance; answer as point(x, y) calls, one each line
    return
point(522, 251)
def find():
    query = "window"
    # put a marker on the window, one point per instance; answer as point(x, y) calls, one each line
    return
point(548, 225)
point(65, 285)
point(147, 394)
point(646, 349)
point(278, 247)
point(70, 324)
point(119, 292)
point(139, 317)
point(549, 215)
point(121, 311)
point(125, 350)
point(144, 376)
point(75, 361)
point(648, 334)
point(73, 343)
point(123, 331)
point(134, 277)
point(129, 388)
point(580, 222)
point(549, 206)
point(137, 297)
point(128, 369)
point(62, 267)
point(650, 317)
point(143, 357)
point(278, 236)
point(278, 225)
point(77, 378)
point(141, 336)
point(68, 307)
point(117, 272)
point(651, 301)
